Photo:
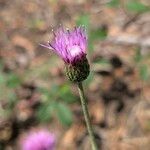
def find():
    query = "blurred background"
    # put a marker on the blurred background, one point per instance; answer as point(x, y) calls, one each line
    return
point(35, 94)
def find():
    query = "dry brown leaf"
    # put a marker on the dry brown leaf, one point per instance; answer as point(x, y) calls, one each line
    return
point(21, 41)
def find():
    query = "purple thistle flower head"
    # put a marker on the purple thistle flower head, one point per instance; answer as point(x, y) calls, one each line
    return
point(40, 140)
point(69, 45)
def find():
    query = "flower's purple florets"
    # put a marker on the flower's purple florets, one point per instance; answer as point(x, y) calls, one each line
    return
point(69, 45)
point(40, 140)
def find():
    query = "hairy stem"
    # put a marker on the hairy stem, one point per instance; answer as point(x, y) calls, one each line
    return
point(86, 116)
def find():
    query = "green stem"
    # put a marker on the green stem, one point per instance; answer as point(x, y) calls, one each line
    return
point(86, 116)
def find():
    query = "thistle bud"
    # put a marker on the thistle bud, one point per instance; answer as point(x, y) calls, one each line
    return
point(79, 71)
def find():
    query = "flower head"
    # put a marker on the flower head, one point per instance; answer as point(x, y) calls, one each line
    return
point(40, 140)
point(69, 45)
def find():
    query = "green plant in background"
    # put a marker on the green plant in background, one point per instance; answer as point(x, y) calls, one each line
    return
point(141, 63)
point(13, 80)
point(8, 82)
point(55, 102)
point(138, 56)
point(135, 6)
point(144, 72)
point(114, 3)
point(84, 20)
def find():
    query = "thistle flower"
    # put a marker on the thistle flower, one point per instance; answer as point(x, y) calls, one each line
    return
point(71, 47)
point(40, 140)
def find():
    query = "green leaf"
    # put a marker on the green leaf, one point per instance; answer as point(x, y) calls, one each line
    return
point(144, 74)
point(64, 114)
point(66, 95)
point(137, 6)
point(83, 20)
point(114, 3)
point(51, 93)
point(97, 34)
point(45, 112)
point(13, 81)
